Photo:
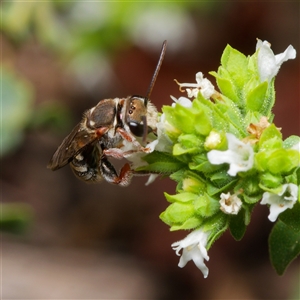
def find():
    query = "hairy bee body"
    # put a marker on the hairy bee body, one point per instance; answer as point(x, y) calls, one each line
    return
point(103, 133)
point(85, 165)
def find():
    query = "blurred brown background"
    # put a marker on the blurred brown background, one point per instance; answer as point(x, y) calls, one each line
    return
point(102, 241)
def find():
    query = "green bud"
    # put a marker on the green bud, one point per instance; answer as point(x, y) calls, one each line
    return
point(177, 213)
point(283, 161)
point(206, 206)
point(215, 140)
point(270, 180)
point(192, 183)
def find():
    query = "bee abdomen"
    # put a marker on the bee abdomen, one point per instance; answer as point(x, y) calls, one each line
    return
point(85, 166)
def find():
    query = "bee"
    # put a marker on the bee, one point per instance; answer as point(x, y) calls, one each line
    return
point(112, 128)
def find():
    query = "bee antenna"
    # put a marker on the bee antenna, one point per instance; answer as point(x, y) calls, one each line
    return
point(161, 58)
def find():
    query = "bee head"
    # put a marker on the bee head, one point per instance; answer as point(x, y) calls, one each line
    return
point(136, 115)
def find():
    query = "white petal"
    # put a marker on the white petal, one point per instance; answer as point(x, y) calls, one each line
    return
point(230, 204)
point(151, 178)
point(275, 210)
point(239, 156)
point(280, 202)
point(193, 246)
point(199, 78)
point(152, 145)
point(197, 257)
point(206, 87)
point(289, 53)
point(183, 101)
point(292, 189)
point(217, 157)
point(186, 256)
point(268, 63)
point(192, 93)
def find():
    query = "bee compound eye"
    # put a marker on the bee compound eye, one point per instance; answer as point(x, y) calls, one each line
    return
point(136, 128)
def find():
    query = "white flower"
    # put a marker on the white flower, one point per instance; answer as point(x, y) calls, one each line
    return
point(268, 63)
point(203, 84)
point(163, 142)
point(281, 201)
point(193, 246)
point(230, 204)
point(239, 155)
point(183, 101)
point(151, 178)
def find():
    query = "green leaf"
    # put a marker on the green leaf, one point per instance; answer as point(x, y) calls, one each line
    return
point(237, 225)
point(255, 98)
point(181, 197)
point(284, 246)
point(160, 163)
point(188, 143)
point(159, 168)
point(190, 223)
point(218, 224)
point(226, 87)
point(251, 199)
point(189, 182)
point(270, 138)
point(182, 118)
point(269, 101)
point(214, 116)
point(249, 185)
point(202, 123)
point(179, 149)
point(221, 178)
point(158, 156)
point(200, 163)
point(291, 217)
point(213, 189)
point(231, 114)
point(236, 64)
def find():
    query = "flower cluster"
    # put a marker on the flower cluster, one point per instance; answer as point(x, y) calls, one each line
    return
point(225, 153)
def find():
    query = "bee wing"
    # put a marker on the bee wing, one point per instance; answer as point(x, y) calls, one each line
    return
point(70, 146)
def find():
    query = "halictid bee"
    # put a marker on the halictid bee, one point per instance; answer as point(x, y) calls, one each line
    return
point(106, 128)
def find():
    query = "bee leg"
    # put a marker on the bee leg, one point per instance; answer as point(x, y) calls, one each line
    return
point(114, 152)
point(110, 175)
point(130, 138)
point(118, 153)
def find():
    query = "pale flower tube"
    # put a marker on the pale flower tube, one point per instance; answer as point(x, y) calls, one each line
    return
point(193, 246)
